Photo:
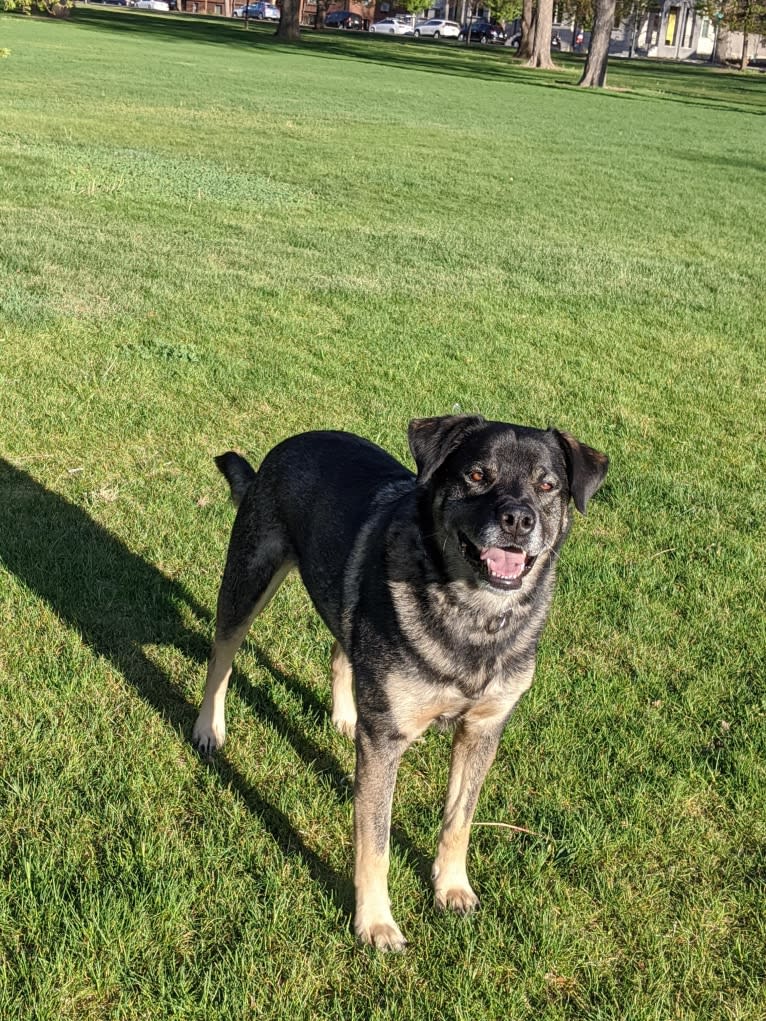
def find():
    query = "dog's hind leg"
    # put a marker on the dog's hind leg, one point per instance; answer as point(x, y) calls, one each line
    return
point(249, 582)
point(343, 705)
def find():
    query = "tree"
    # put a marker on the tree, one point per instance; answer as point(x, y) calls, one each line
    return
point(721, 43)
point(745, 16)
point(749, 18)
point(289, 27)
point(594, 75)
point(527, 29)
point(541, 48)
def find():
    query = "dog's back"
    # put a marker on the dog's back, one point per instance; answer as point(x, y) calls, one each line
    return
point(321, 490)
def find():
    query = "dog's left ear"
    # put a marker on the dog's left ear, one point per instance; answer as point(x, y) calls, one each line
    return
point(432, 440)
point(586, 468)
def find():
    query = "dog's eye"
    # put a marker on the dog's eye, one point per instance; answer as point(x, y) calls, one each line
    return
point(545, 487)
point(476, 475)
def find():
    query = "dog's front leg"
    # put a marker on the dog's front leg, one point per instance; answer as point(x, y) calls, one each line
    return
point(473, 751)
point(377, 763)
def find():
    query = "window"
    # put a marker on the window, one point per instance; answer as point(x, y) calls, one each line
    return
point(691, 18)
point(670, 26)
point(652, 30)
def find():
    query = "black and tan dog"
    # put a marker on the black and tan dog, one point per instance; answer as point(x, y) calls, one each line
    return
point(436, 589)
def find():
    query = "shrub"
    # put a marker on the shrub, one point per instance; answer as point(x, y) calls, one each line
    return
point(56, 8)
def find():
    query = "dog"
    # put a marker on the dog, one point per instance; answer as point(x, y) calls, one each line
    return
point(436, 588)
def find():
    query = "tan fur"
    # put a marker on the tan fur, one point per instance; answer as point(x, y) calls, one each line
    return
point(210, 728)
point(343, 705)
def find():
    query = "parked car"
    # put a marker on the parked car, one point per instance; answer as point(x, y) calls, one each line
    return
point(344, 19)
point(437, 28)
point(267, 12)
point(152, 5)
point(392, 26)
point(259, 12)
point(483, 32)
point(515, 41)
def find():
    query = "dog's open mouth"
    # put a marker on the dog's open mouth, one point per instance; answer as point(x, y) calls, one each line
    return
point(503, 567)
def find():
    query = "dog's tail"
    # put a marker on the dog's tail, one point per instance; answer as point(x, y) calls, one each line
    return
point(238, 473)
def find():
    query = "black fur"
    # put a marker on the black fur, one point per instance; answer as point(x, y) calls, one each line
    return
point(436, 588)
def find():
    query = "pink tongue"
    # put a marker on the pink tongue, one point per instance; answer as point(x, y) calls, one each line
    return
point(504, 562)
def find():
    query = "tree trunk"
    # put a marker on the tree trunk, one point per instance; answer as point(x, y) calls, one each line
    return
point(745, 44)
point(721, 49)
point(527, 29)
point(289, 27)
point(541, 51)
point(594, 75)
point(637, 13)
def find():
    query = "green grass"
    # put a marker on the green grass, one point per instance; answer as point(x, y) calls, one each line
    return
point(209, 239)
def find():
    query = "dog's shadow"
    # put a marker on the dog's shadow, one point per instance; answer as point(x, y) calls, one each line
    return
point(119, 604)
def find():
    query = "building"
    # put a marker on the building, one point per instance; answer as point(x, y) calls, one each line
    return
point(670, 30)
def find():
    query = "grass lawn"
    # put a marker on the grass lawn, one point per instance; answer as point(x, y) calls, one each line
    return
point(208, 239)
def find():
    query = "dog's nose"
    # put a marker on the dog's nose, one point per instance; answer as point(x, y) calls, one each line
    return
point(517, 519)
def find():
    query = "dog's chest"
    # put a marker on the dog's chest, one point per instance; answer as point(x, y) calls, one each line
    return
point(473, 644)
point(417, 703)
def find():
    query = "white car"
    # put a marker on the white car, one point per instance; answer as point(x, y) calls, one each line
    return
point(260, 11)
point(392, 26)
point(437, 28)
point(152, 5)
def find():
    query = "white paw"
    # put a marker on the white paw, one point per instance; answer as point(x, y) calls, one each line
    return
point(460, 899)
point(383, 935)
point(207, 737)
point(345, 725)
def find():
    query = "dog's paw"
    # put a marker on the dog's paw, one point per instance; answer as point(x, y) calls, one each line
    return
point(384, 936)
point(207, 738)
point(345, 725)
point(460, 899)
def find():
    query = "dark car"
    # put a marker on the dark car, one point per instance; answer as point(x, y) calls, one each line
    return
point(343, 19)
point(483, 32)
point(515, 41)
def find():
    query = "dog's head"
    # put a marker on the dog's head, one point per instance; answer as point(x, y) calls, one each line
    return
point(499, 494)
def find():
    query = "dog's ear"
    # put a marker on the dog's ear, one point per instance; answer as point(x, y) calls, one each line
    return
point(432, 440)
point(586, 468)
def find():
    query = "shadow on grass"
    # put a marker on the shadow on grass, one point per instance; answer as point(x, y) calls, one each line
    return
point(692, 85)
point(118, 603)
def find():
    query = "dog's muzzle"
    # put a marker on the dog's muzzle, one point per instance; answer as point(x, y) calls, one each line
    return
point(503, 567)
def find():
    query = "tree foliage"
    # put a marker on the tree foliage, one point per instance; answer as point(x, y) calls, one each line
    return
point(737, 15)
point(504, 10)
